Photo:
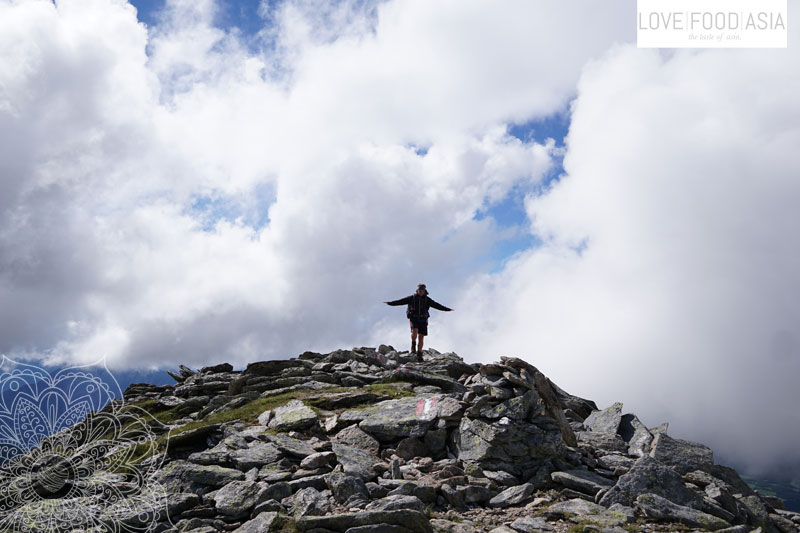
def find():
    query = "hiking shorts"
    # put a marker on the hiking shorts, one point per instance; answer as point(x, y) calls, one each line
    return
point(419, 324)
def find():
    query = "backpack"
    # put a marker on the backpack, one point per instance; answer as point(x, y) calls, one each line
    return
point(417, 308)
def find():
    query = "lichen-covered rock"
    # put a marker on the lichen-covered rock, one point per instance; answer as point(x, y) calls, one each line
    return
point(237, 498)
point(255, 456)
point(609, 442)
point(183, 476)
point(682, 455)
point(294, 415)
point(520, 448)
point(263, 523)
point(648, 476)
point(397, 501)
point(513, 496)
point(411, 520)
point(358, 438)
point(346, 487)
point(605, 421)
point(355, 461)
point(290, 445)
point(404, 417)
point(583, 512)
point(654, 506)
point(309, 502)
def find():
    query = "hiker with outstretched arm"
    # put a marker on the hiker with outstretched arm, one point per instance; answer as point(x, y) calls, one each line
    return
point(417, 313)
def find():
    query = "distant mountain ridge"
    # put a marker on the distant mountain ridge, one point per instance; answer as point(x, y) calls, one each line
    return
point(379, 440)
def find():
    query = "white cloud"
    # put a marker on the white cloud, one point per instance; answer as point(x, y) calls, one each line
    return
point(668, 274)
point(139, 165)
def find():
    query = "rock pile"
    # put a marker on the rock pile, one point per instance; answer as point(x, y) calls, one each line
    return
point(373, 440)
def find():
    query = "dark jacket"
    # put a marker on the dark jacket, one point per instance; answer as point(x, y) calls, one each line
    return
point(418, 305)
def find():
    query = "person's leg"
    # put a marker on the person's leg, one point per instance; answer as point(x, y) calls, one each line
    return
point(421, 342)
point(414, 339)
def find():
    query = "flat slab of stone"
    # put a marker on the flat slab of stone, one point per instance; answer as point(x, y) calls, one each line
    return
point(529, 524)
point(428, 378)
point(264, 522)
point(582, 480)
point(654, 506)
point(682, 455)
point(295, 415)
point(583, 512)
point(290, 445)
point(636, 434)
point(513, 496)
point(404, 417)
point(269, 368)
point(182, 476)
point(256, 456)
point(358, 438)
point(414, 521)
point(605, 421)
point(237, 498)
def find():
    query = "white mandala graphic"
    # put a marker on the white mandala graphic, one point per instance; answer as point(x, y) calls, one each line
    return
point(71, 453)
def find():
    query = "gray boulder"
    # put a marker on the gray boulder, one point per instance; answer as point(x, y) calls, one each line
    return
point(295, 415)
point(609, 442)
point(256, 456)
point(605, 421)
point(636, 434)
point(355, 461)
point(346, 487)
point(519, 448)
point(309, 502)
point(395, 502)
point(182, 476)
point(318, 460)
point(682, 455)
point(529, 524)
point(358, 438)
point(405, 417)
point(263, 523)
point(649, 476)
point(583, 512)
point(290, 445)
point(654, 506)
point(513, 496)
point(237, 498)
point(516, 408)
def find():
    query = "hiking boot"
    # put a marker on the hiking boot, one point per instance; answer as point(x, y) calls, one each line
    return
point(413, 346)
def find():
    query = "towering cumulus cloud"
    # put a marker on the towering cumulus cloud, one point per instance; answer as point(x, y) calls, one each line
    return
point(668, 272)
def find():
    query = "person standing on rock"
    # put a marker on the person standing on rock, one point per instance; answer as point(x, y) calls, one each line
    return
point(417, 313)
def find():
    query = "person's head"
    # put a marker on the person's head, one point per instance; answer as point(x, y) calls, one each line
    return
point(421, 289)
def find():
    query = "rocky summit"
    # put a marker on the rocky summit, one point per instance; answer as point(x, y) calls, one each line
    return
point(372, 440)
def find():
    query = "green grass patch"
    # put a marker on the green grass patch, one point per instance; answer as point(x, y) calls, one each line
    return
point(248, 413)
